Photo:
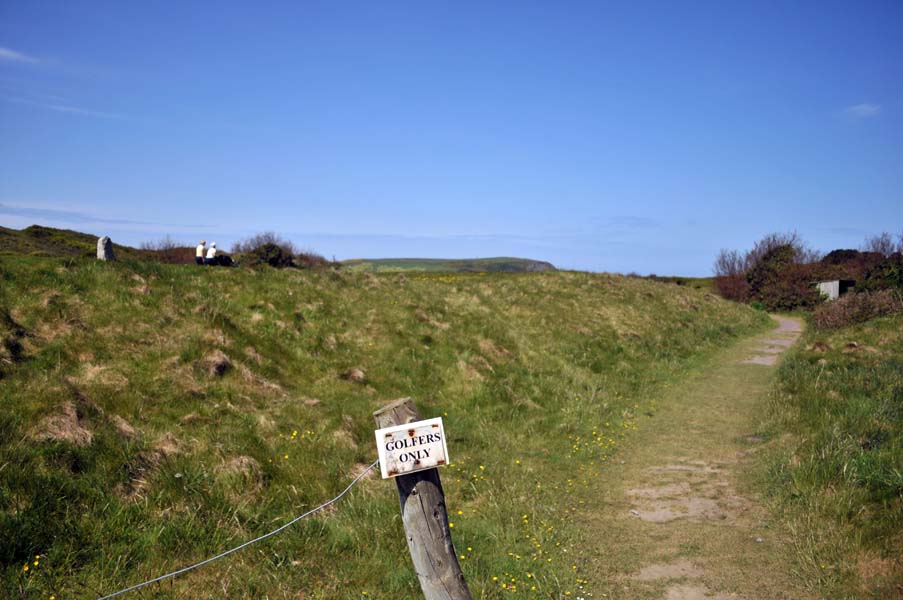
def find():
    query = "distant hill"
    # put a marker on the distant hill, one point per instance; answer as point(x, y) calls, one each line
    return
point(38, 240)
point(463, 265)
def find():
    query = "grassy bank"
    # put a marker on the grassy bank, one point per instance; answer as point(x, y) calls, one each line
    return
point(837, 473)
point(435, 265)
point(154, 415)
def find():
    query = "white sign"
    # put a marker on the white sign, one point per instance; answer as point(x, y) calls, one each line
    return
point(411, 447)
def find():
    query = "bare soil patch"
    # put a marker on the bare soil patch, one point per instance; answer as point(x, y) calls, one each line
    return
point(677, 570)
point(65, 425)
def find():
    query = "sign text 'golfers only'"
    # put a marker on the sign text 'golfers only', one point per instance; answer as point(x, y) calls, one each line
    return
point(411, 447)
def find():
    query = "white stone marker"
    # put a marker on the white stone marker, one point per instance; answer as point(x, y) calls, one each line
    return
point(411, 447)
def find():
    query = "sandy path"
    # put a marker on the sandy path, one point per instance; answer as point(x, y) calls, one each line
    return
point(677, 516)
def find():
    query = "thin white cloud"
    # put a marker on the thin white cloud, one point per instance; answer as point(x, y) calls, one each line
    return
point(9, 55)
point(81, 111)
point(866, 110)
point(66, 108)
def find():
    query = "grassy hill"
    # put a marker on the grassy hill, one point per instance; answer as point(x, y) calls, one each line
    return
point(467, 265)
point(37, 240)
point(153, 415)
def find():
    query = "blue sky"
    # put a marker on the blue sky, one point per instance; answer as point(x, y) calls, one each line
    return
point(605, 136)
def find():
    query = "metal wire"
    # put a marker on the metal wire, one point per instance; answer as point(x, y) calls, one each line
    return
point(248, 543)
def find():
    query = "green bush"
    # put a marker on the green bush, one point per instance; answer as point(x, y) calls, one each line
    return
point(887, 274)
point(270, 254)
point(779, 283)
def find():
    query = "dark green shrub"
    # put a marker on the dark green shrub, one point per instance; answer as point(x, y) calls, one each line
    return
point(779, 283)
point(886, 275)
point(846, 264)
point(270, 254)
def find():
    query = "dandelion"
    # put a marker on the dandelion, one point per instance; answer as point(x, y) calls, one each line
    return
point(25, 568)
point(451, 525)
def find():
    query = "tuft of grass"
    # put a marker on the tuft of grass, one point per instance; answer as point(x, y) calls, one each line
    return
point(837, 472)
point(238, 417)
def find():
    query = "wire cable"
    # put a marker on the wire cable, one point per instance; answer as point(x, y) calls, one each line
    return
point(248, 543)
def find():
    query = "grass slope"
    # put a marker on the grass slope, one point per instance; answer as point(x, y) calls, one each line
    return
point(130, 447)
point(467, 265)
point(838, 471)
point(37, 240)
point(697, 283)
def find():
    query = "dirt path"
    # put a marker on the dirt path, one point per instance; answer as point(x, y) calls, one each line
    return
point(677, 518)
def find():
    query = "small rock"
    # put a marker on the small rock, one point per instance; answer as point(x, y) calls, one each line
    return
point(635, 512)
point(759, 540)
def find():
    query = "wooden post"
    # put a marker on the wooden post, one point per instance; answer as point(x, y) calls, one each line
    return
point(425, 519)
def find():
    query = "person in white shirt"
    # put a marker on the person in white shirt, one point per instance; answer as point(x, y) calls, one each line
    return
point(199, 253)
point(211, 254)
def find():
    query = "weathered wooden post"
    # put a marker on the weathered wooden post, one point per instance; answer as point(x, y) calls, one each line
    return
point(425, 519)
